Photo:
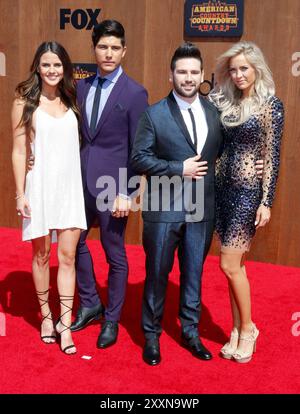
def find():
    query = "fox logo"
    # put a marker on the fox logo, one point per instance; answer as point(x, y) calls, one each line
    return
point(79, 18)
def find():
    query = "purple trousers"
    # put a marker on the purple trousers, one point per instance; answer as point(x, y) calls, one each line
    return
point(112, 237)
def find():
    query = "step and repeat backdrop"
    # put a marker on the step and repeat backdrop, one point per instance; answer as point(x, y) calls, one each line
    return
point(154, 29)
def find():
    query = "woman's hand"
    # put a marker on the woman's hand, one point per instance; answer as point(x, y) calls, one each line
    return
point(263, 216)
point(23, 207)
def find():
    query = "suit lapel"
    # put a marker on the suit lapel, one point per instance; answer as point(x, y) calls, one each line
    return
point(112, 99)
point(87, 88)
point(209, 115)
point(175, 111)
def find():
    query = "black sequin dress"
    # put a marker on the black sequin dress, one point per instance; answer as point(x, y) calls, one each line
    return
point(239, 191)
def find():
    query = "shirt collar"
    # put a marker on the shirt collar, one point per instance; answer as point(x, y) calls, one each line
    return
point(183, 105)
point(113, 76)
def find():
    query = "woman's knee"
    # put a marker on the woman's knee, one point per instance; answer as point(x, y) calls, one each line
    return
point(66, 258)
point(41, 257)
point(230, 268)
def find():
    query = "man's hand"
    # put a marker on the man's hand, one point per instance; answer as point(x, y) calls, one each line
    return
point(121, 207)
point(30, 162)
point(259, 168)
point(263, 216)
point(194, 168)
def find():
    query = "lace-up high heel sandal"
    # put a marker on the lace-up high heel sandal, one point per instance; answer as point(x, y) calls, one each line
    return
point(47, 339)
point(63, 299)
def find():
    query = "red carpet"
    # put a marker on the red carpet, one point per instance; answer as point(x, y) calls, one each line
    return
point(29, 366)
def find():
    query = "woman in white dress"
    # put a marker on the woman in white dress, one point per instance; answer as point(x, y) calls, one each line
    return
point(50, 197)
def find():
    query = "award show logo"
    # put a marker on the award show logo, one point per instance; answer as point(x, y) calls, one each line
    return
point(214, 18)
point(207, 85)
point(2, 64)
point(84, 70)
point(79, 18)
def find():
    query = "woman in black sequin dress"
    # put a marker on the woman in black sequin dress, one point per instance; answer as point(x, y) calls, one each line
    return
point(252, 118)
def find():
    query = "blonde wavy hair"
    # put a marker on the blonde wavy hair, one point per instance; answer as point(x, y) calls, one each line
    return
point(228, 98)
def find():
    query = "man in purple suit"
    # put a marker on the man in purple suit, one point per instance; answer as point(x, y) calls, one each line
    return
point(111, 104)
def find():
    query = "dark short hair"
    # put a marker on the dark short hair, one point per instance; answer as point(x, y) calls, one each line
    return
point(186, 50)
point(108, 28)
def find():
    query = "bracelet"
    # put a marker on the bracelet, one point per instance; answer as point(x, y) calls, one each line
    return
point(19, 196)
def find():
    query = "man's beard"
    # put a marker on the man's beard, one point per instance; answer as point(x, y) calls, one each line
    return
point(181, 92)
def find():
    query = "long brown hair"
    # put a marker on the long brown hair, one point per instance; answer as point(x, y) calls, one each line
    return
point(30, 89)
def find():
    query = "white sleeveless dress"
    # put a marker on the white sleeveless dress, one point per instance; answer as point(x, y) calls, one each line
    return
point(54, 185)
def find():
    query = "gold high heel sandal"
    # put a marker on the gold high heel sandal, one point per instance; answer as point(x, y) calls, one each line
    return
point(230, 347)
point(244, 357)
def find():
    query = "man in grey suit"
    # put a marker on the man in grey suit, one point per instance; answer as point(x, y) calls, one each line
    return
point(170, 137)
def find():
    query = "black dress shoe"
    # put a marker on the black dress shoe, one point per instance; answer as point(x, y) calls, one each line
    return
point(108, 335)
point(86, 315)
point(151, 352)
point(195, 346)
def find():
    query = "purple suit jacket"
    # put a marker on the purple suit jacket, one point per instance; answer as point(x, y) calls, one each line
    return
point(103, 153)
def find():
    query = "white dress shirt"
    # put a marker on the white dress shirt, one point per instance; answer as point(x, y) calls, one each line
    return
point(107, 87)
point(200, 119)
